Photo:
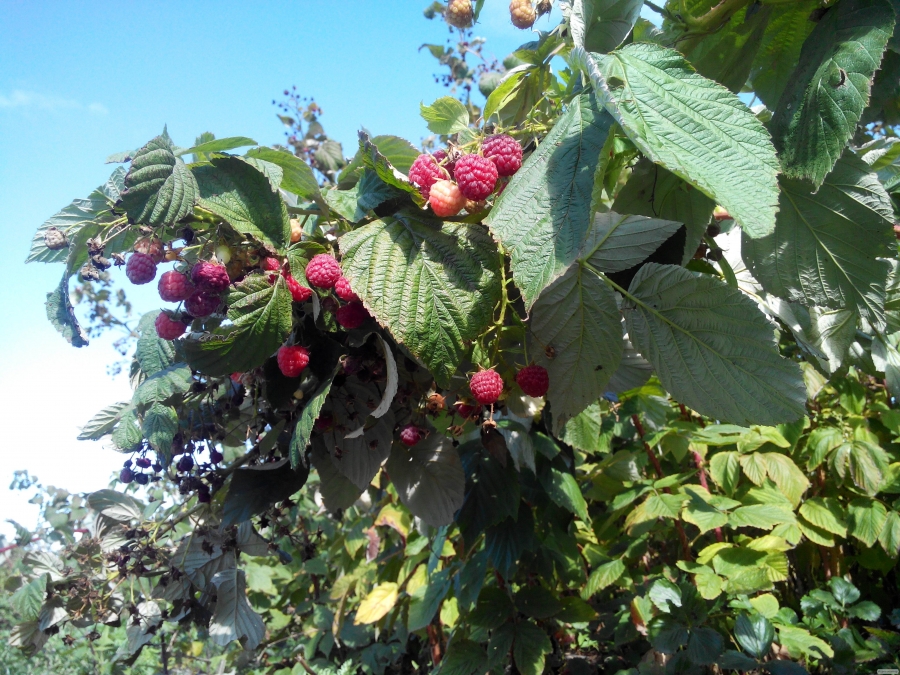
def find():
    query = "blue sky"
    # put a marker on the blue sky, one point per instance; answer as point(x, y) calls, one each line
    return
point(80, 81)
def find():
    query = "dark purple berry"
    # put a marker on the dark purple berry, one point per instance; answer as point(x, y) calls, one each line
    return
point(126, 476)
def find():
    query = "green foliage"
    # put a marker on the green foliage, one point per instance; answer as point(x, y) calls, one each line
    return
point(710, 483)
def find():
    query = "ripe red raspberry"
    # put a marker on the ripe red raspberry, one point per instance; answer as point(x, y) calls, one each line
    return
point(151, 246)
point(270, 264)
point(202, 304)
point(459, 13)
point(522, 14)
point(425, 172)
point(236, 377)
point(292, 360)
point(299, 292)
point(140, 268)
point(323, 271)
point(352, 315)
point(168, 328)
point(476, 176)
point(533, 380)
point(175, 287)
point(344, 292)
point(410, 435)
point(210, 277)
point(446, 199)
point(465, 410)
point(486, 386)
point(505, 152)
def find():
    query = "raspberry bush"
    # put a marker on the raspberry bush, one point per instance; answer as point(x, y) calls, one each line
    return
point(601, 379)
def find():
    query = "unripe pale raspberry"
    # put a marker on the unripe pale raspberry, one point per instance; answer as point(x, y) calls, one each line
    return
point(425, 172)
point(55, 239)
point(505, 152)
point(522, 14)
point(202, 304)
point(486, 386)
point(175, 287)
point(292, 360)
point(152, 246)
point(210, 277)
point(323, 271)
point(446, 199)
point(168, 328)
point(299, 292)
point(352, 315)
point(344, 292)
point(476, 176)
point(410, 435)
point(296, 230)
point(459, 13)
point(140, 268)
point(533, 380)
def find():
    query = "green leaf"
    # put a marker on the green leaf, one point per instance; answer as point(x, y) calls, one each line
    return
point(298, 176)
point(868, 466)
point(825, 247)
point(865, 611)
point(429, 478)
point(377, 603)
point(890, 534)
point(844, 592)
point(692, 126)
point(754, 466)
point(425, 603)
point(255, 489)
point(762, 516)
point(791, 481)
point(820, 444)
point(779, 50)
point(218, 145)
point(704, 646)
point(575, 610)
point(711, 347)
point(799, 642)
point(735, 660)
point(433, 285)
point(577, 316)
point(866, 520)
point(755, 634)
point(95, 209)
point(159, 428)
point(303, 430)
point(563, 489)
point(463, 657)
point(152, 353)
point(829, 89)
point(338, 492)
point(602, 25)
point(159, 188)
point(374, 159)
point(725, 469)
point(665, 595)
point(103, 422)
point(655, 192)
point(544, 213)
point(260, 319)
point(445, 116)
point(242, 195)
point(530, 648)
point(62, 315)
point(233, 617)
point(602, 577)
point(509, 539)
point(127, 433)
point(825, 513)
point(537, 602)
point(27, 601)
point(399, 152)
point(163, 385)
point(705, 516)
point(115, 505)
point(615, 243)
point(493, 608)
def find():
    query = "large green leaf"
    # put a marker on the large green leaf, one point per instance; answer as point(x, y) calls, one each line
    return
point(254, 489)
point(577, 316)
point(152, 352)
point(508, 540)
point(161, 386)
point(829, 89)
point(602, 25)
point(655, 192)
point(216, 145)
point(234, 618)
point(445, 116)
point(241, 194)
point(544, 213)
point(159, 188)
point(693, 126)
point(338, 492)
point(160, 425)
point(433, 285)
point(95, 209)
point(298, 176)
point(260, 319)
point(429, 478)
point(826, 245)
point(711, 346)
point(780, 47)
point(373, 158)
point(103, 422)
point(615, 242)
point(303, 430)
point(492, 491)
point(530, 648)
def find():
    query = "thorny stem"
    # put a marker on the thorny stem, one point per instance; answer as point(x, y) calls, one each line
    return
point(685, 545)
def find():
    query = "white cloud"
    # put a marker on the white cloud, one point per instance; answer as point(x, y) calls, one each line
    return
point(36, 101)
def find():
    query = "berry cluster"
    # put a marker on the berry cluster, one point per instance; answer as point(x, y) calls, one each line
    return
point(451, 182)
